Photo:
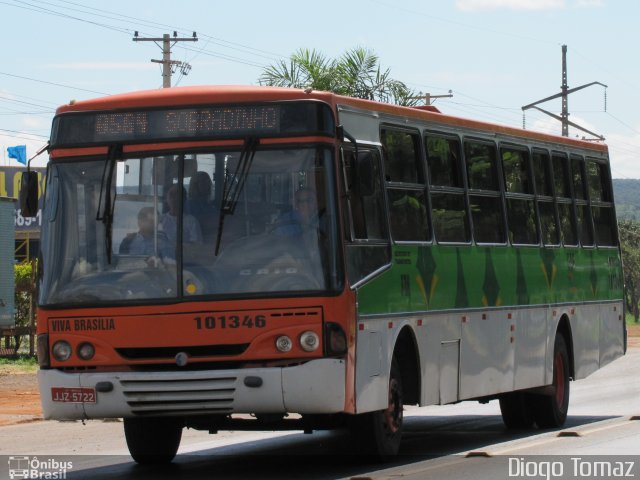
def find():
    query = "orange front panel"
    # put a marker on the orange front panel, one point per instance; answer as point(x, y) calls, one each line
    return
point(242, 335)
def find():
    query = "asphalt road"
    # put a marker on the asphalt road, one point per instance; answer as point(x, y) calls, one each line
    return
point(461, 441)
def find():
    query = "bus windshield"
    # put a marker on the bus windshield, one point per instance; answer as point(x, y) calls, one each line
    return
point(241, 222)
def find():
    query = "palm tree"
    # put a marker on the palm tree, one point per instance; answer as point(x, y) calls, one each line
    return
point(357, 73)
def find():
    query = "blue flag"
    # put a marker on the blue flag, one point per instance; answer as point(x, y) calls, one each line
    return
point(18, 152)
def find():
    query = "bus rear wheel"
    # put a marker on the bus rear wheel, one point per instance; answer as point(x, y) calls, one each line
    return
point(515, 410)
point(378, 434)
point(153, 441)
point(550, 411)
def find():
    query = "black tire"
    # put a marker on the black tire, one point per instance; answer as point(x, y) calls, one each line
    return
point(378, 434)
point(550, 411)
point(153, 441)
point(516, 411)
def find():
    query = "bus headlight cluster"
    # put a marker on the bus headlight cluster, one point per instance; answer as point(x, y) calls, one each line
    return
point(283, 343)
point(309, 342)
point(62, 351)
point(86, 351)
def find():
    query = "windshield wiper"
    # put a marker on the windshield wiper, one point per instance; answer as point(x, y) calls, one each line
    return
point(231, 193)
point(105, 212)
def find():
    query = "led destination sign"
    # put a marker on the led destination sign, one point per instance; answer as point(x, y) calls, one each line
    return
point(92, 128)
point(190, 122)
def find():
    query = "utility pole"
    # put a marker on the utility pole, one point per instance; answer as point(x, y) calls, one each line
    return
point(168, 65)
point(564, 94)
point(427, 97)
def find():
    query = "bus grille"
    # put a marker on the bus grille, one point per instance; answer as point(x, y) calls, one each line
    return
point(179, 396)
point(171, 352)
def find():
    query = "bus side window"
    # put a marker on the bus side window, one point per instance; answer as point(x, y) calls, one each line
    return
point(583, 214)
point(485, 201)
point(365, 224)
point(550, 231)
point(448, 206)
point(564, 199)
point(601, 203)
point(521, 212)
point(405, 185)
point(402, 156)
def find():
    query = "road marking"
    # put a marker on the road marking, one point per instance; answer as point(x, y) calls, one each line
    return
point(569, 433)
point(405, 473)
point(547, 439)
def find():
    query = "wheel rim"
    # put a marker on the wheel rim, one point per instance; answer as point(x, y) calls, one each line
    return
point(560, 380)
point(393, 413)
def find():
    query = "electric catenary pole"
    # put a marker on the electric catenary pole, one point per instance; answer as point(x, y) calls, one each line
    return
point(168, 65)
point(564, 94)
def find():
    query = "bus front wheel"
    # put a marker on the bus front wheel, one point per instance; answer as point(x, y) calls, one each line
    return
point(153, 440)
point(378, 434)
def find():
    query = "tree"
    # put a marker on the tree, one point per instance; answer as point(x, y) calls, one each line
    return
point(357, 73)
point(630, 245)
point(24, 290)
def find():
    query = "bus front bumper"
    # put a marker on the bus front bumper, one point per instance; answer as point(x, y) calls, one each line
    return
point(317, 386)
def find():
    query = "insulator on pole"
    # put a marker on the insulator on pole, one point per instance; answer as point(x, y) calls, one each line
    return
point(605, 99)
point(524, 121)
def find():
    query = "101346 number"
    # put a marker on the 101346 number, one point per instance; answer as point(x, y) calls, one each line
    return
point(212, 322)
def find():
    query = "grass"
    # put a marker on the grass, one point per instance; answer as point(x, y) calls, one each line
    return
point(633, 328)
point(22, 364)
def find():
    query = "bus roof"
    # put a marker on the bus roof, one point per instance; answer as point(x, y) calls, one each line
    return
point(195, 95)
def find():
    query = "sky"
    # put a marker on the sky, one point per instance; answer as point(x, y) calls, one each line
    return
point(495, 56)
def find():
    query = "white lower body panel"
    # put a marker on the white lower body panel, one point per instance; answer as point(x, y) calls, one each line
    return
point(317, 386)
point(480, 353)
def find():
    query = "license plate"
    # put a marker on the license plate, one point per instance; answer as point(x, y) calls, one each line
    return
point(73, 395)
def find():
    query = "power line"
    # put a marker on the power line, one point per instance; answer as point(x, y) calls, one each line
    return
point(37, 8)
point(23, 133)
point(224, 57)
point(220, 42)
point(22, 102)
point(51, 83)
point(181, 30)
point(623, 123)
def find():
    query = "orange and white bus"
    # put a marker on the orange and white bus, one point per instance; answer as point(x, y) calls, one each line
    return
point(317, 262)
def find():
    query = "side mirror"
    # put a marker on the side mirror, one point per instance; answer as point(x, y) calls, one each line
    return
point(29, 194)
point(364, 174)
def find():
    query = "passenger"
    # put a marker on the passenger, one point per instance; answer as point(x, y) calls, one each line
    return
point(200, 188)
point(169, 220)
point(303, 218)
point(200, 203)
point(304, 229)
point(146, 241)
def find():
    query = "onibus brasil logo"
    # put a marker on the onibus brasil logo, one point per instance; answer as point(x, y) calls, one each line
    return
point(32, 467)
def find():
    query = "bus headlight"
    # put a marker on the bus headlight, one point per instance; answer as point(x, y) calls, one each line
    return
point(283, 343)
point(309, 341)
point(61, 351)
point(86, 351)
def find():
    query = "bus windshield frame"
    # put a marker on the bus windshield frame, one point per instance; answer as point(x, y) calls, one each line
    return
point(190, 225)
